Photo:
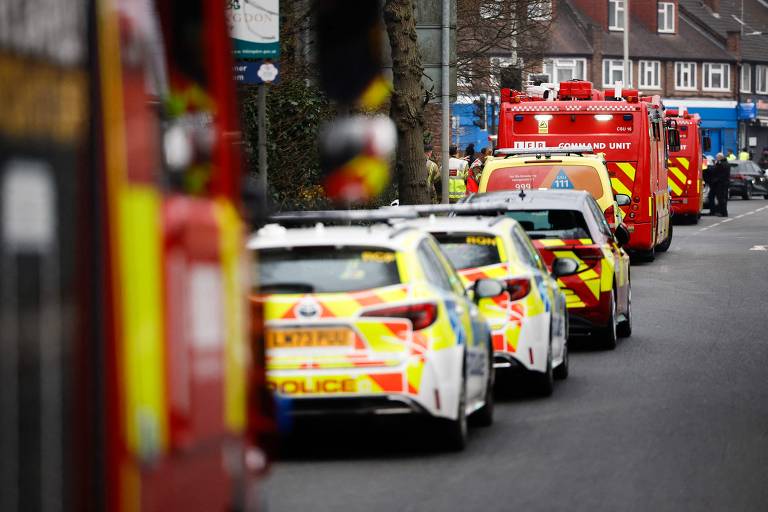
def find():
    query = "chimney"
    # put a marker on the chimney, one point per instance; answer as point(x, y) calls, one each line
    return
point(733, 42)
point(714, 5)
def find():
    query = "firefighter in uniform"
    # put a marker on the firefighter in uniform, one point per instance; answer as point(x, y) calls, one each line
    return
point(457, 176)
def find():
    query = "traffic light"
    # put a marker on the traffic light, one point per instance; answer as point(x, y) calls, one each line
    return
point(481, 120)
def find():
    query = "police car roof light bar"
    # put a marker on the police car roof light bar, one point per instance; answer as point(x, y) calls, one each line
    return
point(573, 150)
point(345, 216)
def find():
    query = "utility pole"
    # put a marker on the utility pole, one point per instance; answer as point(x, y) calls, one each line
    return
point(627, 65)
point(261, 107)
point(445, 138)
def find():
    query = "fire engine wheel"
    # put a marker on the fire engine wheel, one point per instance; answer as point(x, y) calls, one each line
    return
point(608, 336)
point(663, 246)
point(646, 256)
point(453, 433)
point(542, 384)
point(624, 329)
point(484, 416)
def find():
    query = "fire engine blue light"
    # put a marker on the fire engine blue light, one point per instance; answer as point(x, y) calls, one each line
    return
point(518, 117)
point(627, 117)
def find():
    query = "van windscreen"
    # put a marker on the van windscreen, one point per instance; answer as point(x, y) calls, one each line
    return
point(550, 176)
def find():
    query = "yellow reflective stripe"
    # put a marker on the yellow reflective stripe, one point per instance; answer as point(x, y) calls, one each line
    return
point(678, 174)
point(684, 161)
point(628, 169)
point(143, 355)
point(619, 187)
point(675, 188)
point(235, 341)
point(502, 249)
point(585, 241)
point(551, 242)
point(650, 206)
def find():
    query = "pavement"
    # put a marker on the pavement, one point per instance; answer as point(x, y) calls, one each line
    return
point(676, 418)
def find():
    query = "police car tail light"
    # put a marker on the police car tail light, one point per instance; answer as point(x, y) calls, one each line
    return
point(421, 315)
point(610, 215)
point(589, 254)
point(518, 288)
point(737, 176)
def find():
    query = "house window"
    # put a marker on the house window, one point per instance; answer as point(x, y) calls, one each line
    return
point(613, 71)
point(562, 70)
point(666, 17)
point(650, 74)
point(717, 77)
point(746, 78)
point(616, 15)
point(685, 76)
point(761, 79)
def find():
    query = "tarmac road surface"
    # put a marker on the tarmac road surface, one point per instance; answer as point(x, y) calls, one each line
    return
point(676, 418)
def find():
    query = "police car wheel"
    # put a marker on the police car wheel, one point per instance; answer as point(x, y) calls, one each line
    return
point(543, 384)
point(562, 370)
point(484, 416)
point(609, 335)
point(624, 329)
point(747, 193)
point(454, 432)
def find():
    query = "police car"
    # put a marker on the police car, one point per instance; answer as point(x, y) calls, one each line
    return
point(529, 321)
point(569, 224)
point(373, 320)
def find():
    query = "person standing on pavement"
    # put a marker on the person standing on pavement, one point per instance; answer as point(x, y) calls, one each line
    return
point(763, 162)
point(457, 175)
point(730, 156)
point(434, 183)
point(476, 171)
point(744, 155)
point(719, 179)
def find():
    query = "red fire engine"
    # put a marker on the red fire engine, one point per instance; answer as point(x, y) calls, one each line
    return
point(685, 167)
point(628, 128)
point(130, 380)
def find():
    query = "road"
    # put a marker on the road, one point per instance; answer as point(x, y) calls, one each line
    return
point(676, 418)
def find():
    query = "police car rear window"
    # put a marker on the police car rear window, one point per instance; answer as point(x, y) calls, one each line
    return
point(469, 250)
point(325, 269)
point(550, 176)
point(567, 224)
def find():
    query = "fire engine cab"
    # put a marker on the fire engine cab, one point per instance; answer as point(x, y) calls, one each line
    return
point(685, 166)
point(628, 128)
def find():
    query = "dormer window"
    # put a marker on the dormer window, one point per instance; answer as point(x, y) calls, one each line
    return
point(616, 15)
point(666, 17)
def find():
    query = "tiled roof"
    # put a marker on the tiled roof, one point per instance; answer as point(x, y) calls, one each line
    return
point(755, 18)
point(568, 34)
point(570, 29)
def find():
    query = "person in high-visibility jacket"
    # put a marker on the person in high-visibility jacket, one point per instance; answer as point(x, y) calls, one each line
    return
point(744, 154)
point(457, 175)
point(730, 155)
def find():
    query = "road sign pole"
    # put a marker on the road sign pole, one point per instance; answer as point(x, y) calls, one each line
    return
point(262, 140)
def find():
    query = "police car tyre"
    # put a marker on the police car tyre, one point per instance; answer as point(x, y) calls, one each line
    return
point(747, 192)
point(454, 432)
point(608, 335)
point(542, 384)
point(483, 417)
point(624, 329)
point(663, 246)
point(562, 370)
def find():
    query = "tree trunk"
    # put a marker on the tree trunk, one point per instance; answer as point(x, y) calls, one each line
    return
point(407, 108)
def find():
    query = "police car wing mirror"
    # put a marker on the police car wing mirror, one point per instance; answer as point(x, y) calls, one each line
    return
point(487, 289)
point(621, 235)
point(623, 200)
point(564, 267)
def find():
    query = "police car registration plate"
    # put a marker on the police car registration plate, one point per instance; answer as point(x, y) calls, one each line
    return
point(296, 338)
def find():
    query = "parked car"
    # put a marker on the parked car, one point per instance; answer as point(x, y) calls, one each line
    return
point(747, 180)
